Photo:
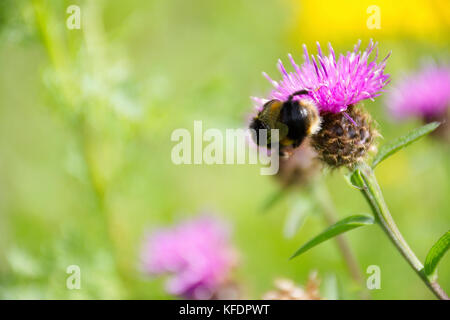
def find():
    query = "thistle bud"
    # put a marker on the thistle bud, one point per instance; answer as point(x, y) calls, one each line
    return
point(345, 138)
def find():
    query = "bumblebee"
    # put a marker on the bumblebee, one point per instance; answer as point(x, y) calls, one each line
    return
point(295, 120)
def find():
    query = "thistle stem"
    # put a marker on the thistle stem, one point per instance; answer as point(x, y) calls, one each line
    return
point(372, 192)
point(329, 212)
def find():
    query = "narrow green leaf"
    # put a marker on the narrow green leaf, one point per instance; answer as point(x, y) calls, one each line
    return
point(389, 149)
point(435, 254)
point(354, 180)
point(342, 226)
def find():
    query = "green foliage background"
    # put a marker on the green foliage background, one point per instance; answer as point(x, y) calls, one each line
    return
point(85, 123)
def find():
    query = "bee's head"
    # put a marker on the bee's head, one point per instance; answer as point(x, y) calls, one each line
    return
point(256, 125)
point(266, 120)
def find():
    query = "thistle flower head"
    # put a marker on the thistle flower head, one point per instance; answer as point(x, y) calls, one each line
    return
point(345, 138)
point(333, 82)
point(196, 253)
point(425, 94)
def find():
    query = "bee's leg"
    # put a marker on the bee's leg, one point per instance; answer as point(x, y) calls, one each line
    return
point(285, 154)
point(285, 150)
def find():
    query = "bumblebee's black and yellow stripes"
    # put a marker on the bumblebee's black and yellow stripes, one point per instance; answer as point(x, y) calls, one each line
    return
point(295, 120)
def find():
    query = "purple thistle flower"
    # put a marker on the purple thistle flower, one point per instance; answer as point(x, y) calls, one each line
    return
point(334, 84)
point(425, 94)
point(196, 253)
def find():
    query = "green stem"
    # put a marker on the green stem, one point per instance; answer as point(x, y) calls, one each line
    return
point(369, 186)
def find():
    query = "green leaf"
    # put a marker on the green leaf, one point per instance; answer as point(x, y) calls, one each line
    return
point(342, 226)
point(389, 149)
point(354, 180)
point(435, 254)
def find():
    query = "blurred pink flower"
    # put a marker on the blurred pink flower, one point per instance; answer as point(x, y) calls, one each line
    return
point(333, 83)
point(196, 253)
point(425, 94)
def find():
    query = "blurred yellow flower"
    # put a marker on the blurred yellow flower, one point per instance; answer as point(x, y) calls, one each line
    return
point(328, 20)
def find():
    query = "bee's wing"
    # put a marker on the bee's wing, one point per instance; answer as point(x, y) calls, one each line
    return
point(271, 112)
point(272, 105)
